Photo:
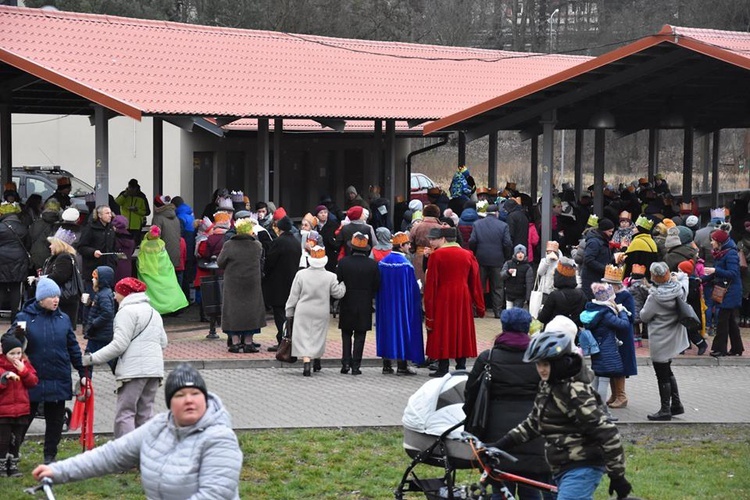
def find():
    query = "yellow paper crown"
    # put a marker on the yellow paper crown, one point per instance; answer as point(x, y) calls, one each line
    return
point(613, 274)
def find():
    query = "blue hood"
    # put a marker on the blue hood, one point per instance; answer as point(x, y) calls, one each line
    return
point(187, 218)
point(106, 277)
point(468, 217)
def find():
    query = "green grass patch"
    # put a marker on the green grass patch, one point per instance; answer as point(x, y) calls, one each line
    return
point(663, 462)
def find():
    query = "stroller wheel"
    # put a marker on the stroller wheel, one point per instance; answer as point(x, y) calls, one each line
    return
point(66, 420)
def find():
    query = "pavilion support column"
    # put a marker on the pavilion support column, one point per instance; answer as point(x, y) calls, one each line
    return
point(599, 142)
point(373, 175)
point(461, 149)
point(688, 146)
point(534, 178)
point(263, 160)
point(157, 135)
point(278, 129)
point(390, 163)
point(101, 153)
point(492, 161)
point(549, 119)
point(706, 156)
point(653, 153)
point(6, 150)
point(578, 163)
point(715, 170)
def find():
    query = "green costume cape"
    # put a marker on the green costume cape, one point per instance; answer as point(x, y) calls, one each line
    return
point(156, 270)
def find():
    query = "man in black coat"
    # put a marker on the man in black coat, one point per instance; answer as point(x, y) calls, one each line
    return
point(518, 223)
point(282, 262)
point(97, 238)
point(361, 276)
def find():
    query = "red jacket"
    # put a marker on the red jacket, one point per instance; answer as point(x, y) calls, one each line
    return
point(14, 394)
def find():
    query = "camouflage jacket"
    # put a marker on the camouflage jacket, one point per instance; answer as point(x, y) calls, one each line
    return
point(576, 432)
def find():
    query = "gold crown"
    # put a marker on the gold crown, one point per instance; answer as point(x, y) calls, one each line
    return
point(613, 274)
point(400, 238)
point(360, 240)
point(317, 252)
point(569, 271)
point(638, 269)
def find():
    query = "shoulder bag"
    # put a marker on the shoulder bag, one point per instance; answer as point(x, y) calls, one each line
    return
point(284, 353)
point(686, 316)
point(477, 418)
point(113, 362)
point(719, 291)
point(74, 286)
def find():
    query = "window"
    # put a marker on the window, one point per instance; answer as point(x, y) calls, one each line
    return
point(38, 186)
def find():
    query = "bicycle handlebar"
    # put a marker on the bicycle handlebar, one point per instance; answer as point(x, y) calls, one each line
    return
point(490, 451)
point(45, 484)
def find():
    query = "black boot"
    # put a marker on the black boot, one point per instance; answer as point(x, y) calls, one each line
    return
point(675, 407)
point(665, 394)
point(387, 367)
point(306, 370)
point(355, 367)
point(13, 467)
point(344, 367)
point(316, 365)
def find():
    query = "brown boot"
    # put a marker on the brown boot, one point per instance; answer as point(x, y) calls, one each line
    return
point(621, 401)
point(612, 392)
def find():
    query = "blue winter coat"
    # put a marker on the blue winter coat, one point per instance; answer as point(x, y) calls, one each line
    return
point(605, 326)
point(100, 321)
point(52, 348)
point(595, 258)
point(728, 269)
point(627, 349)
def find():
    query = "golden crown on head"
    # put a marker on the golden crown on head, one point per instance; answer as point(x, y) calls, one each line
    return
point(400, 238)
point(317, 252)
point(613, 273)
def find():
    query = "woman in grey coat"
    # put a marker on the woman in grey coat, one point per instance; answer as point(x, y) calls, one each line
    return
point(667, 337)
point(189, 451)
point(243, 312)
point(309, 305)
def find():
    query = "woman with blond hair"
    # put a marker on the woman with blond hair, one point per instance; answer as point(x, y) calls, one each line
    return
point(61, 267)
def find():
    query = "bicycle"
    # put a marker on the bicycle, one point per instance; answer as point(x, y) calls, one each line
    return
point(45, 484)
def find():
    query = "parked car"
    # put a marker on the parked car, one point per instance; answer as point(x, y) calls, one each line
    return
point(420, 183)
point(43, 181)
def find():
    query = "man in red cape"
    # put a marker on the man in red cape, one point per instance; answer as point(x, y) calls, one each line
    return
point(452, 286)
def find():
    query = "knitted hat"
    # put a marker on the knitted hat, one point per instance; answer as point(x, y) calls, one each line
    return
point(673, 238)
point(515, 319)
point(431, 211)
point(46, 288)
point(279, 214)
point(519, 248)
point(686, 235)
point(450, 214)
point(638, 271)
point(161, 200)
point(720, 236)
point(566, 267)
point(644, 223)
point(359, 243)
point(126, 286)
point(319, 209)
point(64, 235)
point(605, 225)
point(692, 221)
point(686, 266)
point(244, 226)
point(9, 341)
point(434, 233)
point(354, 213)
point(668, 223)
point(183, 376)
point(284, 224)
point(153, 233)
point(553, 246)
point(63, 182)
point(660, 273)
point(120, 223)
point(415, 205)
point(400, 238)
point(71, 215)
point(602, 291)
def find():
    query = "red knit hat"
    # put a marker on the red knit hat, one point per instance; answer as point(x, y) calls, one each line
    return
point(126, 286)
point(720, 236)
point(279, 214)
point(354, 213)
point(686, 267)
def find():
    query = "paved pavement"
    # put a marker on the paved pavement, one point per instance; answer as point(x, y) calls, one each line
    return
point(263, 393)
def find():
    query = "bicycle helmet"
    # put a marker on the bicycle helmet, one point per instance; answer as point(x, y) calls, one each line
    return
point(548, 345)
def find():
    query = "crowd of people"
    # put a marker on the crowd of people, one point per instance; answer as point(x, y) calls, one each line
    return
point(604, 283)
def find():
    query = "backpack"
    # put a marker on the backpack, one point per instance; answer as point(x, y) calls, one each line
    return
point(578, 252)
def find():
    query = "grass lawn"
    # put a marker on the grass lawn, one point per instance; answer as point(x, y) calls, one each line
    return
point(664, 462)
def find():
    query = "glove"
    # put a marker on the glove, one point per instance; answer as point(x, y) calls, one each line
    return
point(505, 443)
point(620, 485)
point(86, 360)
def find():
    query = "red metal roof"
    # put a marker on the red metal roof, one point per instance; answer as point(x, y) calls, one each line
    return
point(138, 67)
point(728, 46)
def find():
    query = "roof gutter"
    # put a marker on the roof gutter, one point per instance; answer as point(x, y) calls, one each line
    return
point(441, 142)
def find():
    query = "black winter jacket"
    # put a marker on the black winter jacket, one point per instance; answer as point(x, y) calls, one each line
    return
point(96, 236)
point(361, 276)
point(14, 240)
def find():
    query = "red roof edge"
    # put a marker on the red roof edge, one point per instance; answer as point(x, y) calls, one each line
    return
point(722, 54)
point(585, 67)
point(70, 85)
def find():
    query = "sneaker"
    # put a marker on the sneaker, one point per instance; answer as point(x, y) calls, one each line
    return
point(356, 371)
point(718, 354)
point(406, 371)
point(388, 370)
point(273, 348)
point(702, 348)
point(250, 348)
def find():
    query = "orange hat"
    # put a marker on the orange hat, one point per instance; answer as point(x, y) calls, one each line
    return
point(359, 242)
point(686, 266)
point(400, 238)
point(668, 223)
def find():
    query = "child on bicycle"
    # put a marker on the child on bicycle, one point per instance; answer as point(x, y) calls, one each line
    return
point(580, 442)
point(16, 376)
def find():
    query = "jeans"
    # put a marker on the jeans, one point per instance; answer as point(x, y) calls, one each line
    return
point(578, 483)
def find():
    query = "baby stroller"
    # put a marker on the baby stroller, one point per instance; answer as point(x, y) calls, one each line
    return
point(433, 421)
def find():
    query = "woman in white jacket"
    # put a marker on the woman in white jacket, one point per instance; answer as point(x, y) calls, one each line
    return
point(188, 452)
point(138, 341)
point(545, 274)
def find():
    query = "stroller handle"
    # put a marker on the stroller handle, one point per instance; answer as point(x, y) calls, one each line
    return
point(490, 451)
